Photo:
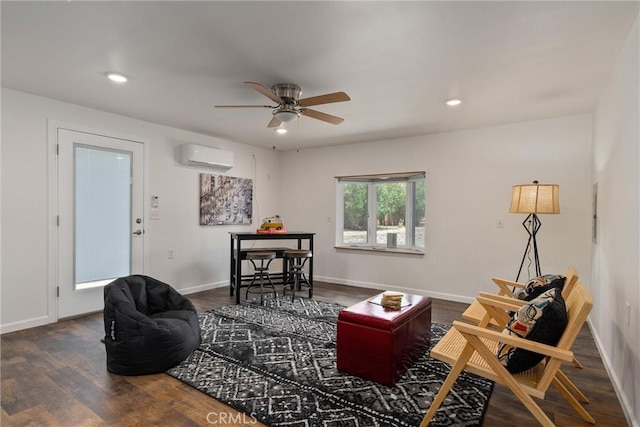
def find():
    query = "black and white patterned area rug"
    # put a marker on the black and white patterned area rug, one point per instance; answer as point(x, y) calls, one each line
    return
point(277, 364)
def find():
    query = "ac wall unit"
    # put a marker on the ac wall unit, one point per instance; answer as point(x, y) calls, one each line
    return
point(197, 155)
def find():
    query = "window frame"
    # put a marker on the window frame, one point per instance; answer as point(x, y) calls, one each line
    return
point(372, 180)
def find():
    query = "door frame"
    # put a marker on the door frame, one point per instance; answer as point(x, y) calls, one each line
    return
point(53, 210)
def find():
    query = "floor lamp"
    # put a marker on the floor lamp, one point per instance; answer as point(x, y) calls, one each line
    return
point(534, 199)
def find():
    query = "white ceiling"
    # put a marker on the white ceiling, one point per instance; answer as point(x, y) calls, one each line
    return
point(398, 61)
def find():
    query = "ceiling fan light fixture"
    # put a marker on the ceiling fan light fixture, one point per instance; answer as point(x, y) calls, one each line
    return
point(286, 116)
point(289, 105)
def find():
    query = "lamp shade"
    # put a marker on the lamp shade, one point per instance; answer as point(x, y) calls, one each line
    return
point(535, 198)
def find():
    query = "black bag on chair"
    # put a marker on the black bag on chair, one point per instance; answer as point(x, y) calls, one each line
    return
point(149, 326)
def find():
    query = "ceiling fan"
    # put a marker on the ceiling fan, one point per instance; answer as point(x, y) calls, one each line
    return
point(290, 107)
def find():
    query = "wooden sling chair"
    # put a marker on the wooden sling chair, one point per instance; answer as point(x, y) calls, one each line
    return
point(473, 348)
point(477, 315)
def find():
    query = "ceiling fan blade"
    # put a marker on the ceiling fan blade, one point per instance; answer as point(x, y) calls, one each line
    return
point(243, 106)
point(263, 90)
point(324, 99)
point(274, 123)
point(321, 116)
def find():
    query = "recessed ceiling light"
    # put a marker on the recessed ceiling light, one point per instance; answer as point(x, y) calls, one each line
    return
point(453, 102)
point(281, 131)
point(116, 77)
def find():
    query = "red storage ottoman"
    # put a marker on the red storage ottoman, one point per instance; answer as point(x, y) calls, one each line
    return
point(379, 344)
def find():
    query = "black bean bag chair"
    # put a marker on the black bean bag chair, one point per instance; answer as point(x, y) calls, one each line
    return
point(149, 327)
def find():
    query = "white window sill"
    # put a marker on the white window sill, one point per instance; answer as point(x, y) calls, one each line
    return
point(382, 249)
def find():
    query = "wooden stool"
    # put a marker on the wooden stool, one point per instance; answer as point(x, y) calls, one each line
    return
point(261, 272)
point(296, 260)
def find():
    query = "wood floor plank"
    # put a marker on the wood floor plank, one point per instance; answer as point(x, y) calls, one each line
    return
point(55, 375)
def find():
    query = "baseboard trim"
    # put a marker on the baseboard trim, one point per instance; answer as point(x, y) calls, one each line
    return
point(385, 287)
point(617, 387)
point(25, 324)
point(45, 320)
point(203, 287)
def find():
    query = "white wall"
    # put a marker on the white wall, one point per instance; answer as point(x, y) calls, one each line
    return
point(616, 255)
point(464, 246)
point(201, 253)
point(468, 185)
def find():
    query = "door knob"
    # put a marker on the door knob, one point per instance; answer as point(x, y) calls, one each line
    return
point(138, 232)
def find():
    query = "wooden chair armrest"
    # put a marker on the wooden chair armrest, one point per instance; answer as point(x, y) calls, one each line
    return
point(507, 282)
point(505, 286)
point(498, 309)
point(515, 341)
point(500, 301)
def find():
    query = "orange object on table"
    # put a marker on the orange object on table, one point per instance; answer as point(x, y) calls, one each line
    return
point(270, 231)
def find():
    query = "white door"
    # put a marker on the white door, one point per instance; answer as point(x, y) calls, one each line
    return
point(101, 222)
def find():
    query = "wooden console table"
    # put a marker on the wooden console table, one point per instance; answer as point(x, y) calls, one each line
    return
point(238, 254)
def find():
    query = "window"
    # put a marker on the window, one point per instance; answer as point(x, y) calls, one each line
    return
point(371, 208)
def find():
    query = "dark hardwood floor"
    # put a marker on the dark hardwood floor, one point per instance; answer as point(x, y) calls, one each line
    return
point(56, 375)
